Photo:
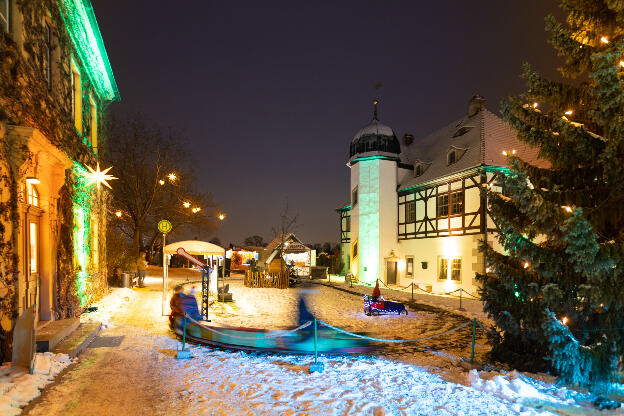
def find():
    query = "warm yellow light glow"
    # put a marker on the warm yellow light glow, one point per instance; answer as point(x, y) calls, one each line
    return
point(567, 208)
point(186, 204)
point(604, 39)
point(221, 217)
point(172, 176)
point(565, 118)
point(118, 213)
point(535, 105)
point(621, 63)
point(195, 210)
point(569, 112)
point(526, 265)
point(32, 180)
point(161, 182)
point(564, 320)
point(504, 152)
point(513, 152)
point(99, 176)
point(488, 269)
point(198, 209)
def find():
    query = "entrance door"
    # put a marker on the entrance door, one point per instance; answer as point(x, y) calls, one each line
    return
point(391, 272)
point(32, 266)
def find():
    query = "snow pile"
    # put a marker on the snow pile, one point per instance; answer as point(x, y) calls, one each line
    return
point(18, 387)
point(117, 300)
point(523, 391)
point(253, 383)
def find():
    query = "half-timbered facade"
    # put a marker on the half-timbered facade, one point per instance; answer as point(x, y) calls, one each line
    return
point(417, 211)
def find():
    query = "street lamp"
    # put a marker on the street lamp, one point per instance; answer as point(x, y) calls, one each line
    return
point(221, 217)
point(172, 176)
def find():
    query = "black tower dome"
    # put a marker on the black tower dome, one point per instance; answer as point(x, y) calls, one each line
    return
point(375, 137)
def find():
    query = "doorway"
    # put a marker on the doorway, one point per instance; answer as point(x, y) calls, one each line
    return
point(391, 272)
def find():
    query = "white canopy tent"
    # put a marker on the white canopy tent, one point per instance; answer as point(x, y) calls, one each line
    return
point(196, 248)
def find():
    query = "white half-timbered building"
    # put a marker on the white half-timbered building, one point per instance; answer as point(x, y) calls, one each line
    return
point(416, 213)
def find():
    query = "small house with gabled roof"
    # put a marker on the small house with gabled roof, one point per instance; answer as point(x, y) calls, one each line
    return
point(416, 212)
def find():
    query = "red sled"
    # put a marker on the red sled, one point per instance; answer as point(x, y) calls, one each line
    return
point(378, 305)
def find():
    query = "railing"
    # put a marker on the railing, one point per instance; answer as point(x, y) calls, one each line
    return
point(266, 280)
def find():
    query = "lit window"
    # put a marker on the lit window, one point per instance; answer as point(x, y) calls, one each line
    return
point(4, 15)
point(76, 99)
point(410, 211)
point(32, 237)
point(443, 268)
point(32, 194)
point(409, 266)
point(93, 124)
point(457, 203)
point(456, 270)
point(443, 205)
point(449, 268)
point(452, 200)
point(354, 196)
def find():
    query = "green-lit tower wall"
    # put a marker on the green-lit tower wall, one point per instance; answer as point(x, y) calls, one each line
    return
point(373, 216)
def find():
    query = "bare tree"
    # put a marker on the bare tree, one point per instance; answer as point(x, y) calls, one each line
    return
point(288, 224)
point(254, 240)
point(155, 182)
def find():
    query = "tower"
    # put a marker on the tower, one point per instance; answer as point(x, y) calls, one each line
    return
point(373, 158)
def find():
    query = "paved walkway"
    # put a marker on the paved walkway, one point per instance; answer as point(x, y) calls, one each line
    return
point(126, 371)
point(471, 308)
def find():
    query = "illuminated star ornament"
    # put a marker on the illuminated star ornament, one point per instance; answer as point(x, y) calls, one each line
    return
point(99, 176)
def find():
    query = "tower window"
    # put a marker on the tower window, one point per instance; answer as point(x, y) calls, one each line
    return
point(354, 196)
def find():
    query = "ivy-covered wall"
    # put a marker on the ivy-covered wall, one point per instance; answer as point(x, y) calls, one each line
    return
point(28, 99)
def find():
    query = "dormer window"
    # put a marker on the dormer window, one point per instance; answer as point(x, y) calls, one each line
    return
point(462, 130)
point(420, 168)
point(451, 157)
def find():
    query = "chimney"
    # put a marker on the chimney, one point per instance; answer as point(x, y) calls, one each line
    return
point(408, 139)
point(476, 104)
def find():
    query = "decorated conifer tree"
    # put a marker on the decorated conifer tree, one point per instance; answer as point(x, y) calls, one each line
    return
point(556, 289)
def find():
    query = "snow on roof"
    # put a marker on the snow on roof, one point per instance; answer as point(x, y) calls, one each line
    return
point(374, 128)
point(195, 247)
point(477, 140)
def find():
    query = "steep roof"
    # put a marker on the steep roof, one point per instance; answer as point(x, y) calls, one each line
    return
point(477, 140)
point(277, 241)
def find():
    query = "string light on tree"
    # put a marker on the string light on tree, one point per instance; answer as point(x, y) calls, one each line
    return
point(568, 113)
point(535, 104)
point(567, 208)
point(526, 265)
point(161, 182)
point(186, 204)
point(604, 39)
point(118, 214)
point(221, 217)
point(172, 176)
point(98, 176)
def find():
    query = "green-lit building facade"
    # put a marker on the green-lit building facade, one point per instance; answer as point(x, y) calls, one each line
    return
point(55, 82)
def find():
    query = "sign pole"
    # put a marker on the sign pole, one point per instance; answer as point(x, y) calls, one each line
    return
point(164, 227)
point(164, 296)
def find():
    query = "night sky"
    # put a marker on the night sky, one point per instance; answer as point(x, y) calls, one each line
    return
point(270, 94)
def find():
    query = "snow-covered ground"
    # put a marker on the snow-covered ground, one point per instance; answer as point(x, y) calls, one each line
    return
point(18, 386)
point(140, 375)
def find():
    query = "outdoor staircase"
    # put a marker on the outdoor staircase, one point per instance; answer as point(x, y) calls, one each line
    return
point(66, 336)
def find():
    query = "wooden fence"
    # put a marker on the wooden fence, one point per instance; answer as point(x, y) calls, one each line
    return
point(268, 280)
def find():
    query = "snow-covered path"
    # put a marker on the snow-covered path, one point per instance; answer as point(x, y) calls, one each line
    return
point(133, 371)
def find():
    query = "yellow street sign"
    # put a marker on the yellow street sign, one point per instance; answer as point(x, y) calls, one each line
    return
point(164, 226)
